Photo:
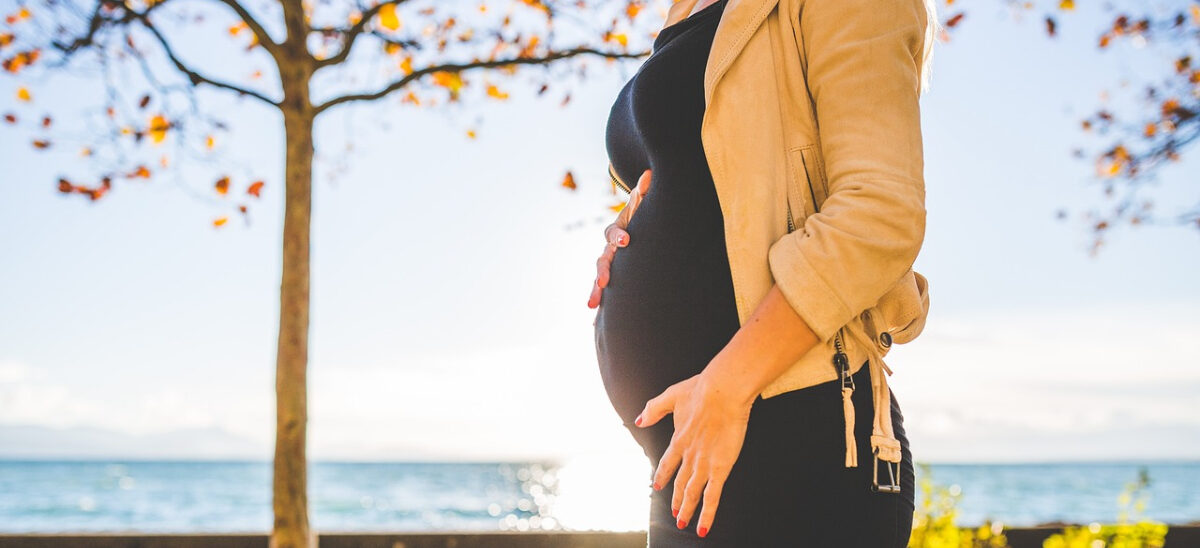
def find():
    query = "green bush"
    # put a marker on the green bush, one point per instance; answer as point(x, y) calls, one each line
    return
point(934, 522)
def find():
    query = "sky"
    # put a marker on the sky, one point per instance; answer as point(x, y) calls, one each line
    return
point(450, 276)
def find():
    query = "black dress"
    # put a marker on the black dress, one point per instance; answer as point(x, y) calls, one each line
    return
point(669, 308)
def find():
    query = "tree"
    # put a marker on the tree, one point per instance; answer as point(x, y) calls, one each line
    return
point(1154, 133)
point(300, 41)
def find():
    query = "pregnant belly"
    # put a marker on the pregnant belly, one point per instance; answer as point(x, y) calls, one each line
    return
point(667, 310)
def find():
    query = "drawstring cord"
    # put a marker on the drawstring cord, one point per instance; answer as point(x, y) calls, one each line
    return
point(883, 440)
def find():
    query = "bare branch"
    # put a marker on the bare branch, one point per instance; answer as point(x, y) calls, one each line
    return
point(451, 67)
point(264, 38)
point(195, 77)
point(351, 35)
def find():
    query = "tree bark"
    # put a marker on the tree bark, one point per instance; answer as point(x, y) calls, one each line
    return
point(291, 527)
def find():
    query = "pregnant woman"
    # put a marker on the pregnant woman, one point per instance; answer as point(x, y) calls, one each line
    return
point(747, 416)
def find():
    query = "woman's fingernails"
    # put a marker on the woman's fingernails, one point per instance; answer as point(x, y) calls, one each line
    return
point(638, 420)
point(621, 240)
point(702, 531)
point(675, 512)
point(681, 524)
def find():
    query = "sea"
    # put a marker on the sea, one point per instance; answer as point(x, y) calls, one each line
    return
point(38, 496)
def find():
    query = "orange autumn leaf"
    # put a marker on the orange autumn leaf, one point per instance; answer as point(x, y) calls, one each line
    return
point(234, 30)
point(471, 133)
point(222, 185)
point(255, 189)
point(1066, 5)
point(158, 128)
point(142, 172)
point(617, 207)
point(569, 181)
point(494, 91)
point(406, 65)
point(41, 144)
point(220, 221)
point(85, 152)
point(6, 38)
point(24, 95)
point(210, 142)
point(1151, 129)
point(388, 18)
point(450, 80)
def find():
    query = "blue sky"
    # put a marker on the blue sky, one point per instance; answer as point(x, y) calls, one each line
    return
point(449, 317)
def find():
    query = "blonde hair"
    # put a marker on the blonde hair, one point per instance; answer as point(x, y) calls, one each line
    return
point(932, 29)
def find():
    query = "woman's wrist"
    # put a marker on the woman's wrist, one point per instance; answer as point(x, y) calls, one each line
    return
point(766, 345)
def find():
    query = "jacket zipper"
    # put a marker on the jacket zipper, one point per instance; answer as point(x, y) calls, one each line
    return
point(617, 181)
point(841, 362)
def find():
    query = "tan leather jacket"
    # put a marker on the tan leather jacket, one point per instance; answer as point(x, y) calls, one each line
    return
point(776, 67)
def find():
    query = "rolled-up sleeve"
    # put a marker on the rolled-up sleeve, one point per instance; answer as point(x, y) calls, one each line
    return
point(863, 66)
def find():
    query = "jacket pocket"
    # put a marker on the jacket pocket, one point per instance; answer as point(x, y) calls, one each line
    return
point(814, 170)
point(799, 205)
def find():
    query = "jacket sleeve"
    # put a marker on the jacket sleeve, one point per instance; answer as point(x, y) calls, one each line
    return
point(863, 62)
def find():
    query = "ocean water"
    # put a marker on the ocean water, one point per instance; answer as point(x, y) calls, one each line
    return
point(218, 496)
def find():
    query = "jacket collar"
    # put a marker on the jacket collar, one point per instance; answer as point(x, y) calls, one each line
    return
point(737, 24)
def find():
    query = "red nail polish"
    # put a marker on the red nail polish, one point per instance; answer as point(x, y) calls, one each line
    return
point(702, 531)
point(656, 486)
point(675, 512)
point(681, 524)
point(638, 420)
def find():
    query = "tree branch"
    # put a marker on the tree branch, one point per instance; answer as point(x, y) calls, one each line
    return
point(398, 84)
point(195, 77)
point(264, 39)
point(351, 35)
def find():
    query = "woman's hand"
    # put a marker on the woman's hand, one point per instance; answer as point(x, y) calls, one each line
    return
point(617, 237)
point(710, 427)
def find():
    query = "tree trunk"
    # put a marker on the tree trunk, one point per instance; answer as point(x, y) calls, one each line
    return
point(291, 528)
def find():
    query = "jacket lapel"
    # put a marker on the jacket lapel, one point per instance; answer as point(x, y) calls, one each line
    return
point(737, 24)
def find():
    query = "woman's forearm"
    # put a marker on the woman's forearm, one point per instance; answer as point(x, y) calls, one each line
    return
point(770, 341)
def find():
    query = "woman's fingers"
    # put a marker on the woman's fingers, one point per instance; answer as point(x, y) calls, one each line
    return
point(643, 184)
point(616, 236)
point(683, 485)
point(717, 475)
point(670, 459)
point(692, 492)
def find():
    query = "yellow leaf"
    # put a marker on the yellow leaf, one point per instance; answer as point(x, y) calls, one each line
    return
point(23, 94)
point(158, 128)
point(406, 65)
point(219, 221)
point(617, 207)
point(471, 133)
point(85, 152)
point(1066, 5)
point(388, 18)
point(210, 142)
point(494, 91)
